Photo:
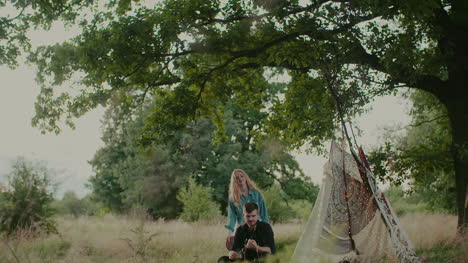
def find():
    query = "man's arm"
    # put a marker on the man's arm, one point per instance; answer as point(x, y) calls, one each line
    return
point(237, 246)
point(270, 239)
point(269, 247)
point(238, 240)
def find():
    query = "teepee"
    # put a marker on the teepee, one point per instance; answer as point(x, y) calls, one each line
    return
point(352, 221)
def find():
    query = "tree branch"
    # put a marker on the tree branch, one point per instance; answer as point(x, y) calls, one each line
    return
point(294, 11)
point(427, 121)
point(418, 123)
point(165, 82)
point(11, 19)
point(429, 83)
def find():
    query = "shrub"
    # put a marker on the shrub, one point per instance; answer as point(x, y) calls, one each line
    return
point(27, 205)
point(302, 209)
point(197, 202)
point(278, 209)
point(403, 203)
point(72, 205)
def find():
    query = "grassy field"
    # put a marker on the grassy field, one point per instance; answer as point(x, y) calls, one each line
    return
point(130, 239)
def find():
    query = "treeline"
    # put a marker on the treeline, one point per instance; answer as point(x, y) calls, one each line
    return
point(169, 168)
point(140, 166)
point(197, 205)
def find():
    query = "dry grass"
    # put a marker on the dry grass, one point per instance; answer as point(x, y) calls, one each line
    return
point(430, 230)
point(435, 237)
point(129, 239)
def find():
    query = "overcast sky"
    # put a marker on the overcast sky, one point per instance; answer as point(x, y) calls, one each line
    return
point(70, 151)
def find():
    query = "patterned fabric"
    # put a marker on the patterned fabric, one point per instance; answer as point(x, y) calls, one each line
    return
point(347, 222)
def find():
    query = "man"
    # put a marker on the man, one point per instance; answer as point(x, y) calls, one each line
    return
point(253, 240)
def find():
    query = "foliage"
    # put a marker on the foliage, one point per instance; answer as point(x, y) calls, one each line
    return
point(197, 202)
point(130, 171)
point(302, 209)
point(285, 249)
point(52, 250)
point(282, 207)
point(208, 52)
point(194, 56)
point(96, 240)
point(279, 210)
point(19, 17)
point(446, 252)
point(406, 203)
point(140, 244)
point(70, 204)
point(27, 203)
point(421, 154)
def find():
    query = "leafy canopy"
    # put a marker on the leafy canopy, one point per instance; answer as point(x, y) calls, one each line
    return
point(19, 17)
point(422, 154)
point(196, 55)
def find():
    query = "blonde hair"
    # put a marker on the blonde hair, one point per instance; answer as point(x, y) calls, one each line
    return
point(234, 189)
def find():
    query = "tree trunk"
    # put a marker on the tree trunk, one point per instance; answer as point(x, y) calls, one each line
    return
point(457, 106)
point(455, 98)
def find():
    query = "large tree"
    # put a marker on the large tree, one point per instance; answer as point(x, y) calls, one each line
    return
point(201, 53)
point(420, 153)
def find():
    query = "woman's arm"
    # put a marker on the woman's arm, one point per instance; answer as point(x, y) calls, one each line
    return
point(262, 209)
point(232, 218)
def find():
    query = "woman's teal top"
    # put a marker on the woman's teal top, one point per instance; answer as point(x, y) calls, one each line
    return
point(235, 213)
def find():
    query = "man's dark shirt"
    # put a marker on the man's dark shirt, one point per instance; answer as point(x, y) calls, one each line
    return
point(262, 234)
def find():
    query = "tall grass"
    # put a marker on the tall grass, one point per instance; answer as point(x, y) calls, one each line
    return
point(435, 237)
point(135, 239)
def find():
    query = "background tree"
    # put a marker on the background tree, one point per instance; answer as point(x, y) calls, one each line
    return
point(422, 154)
point(26, 206)
point(71, 205)
point(132, 170)
point(194, 55)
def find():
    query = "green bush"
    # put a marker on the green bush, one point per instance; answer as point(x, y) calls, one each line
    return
point(72, 205)
point(403, 203)
point(278, 209)
point(102, 211)
point(281, 207)
point(27, 205)
point(197, 202)
point(302, 209)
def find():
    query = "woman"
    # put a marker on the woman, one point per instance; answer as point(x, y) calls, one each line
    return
point(242, 190)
